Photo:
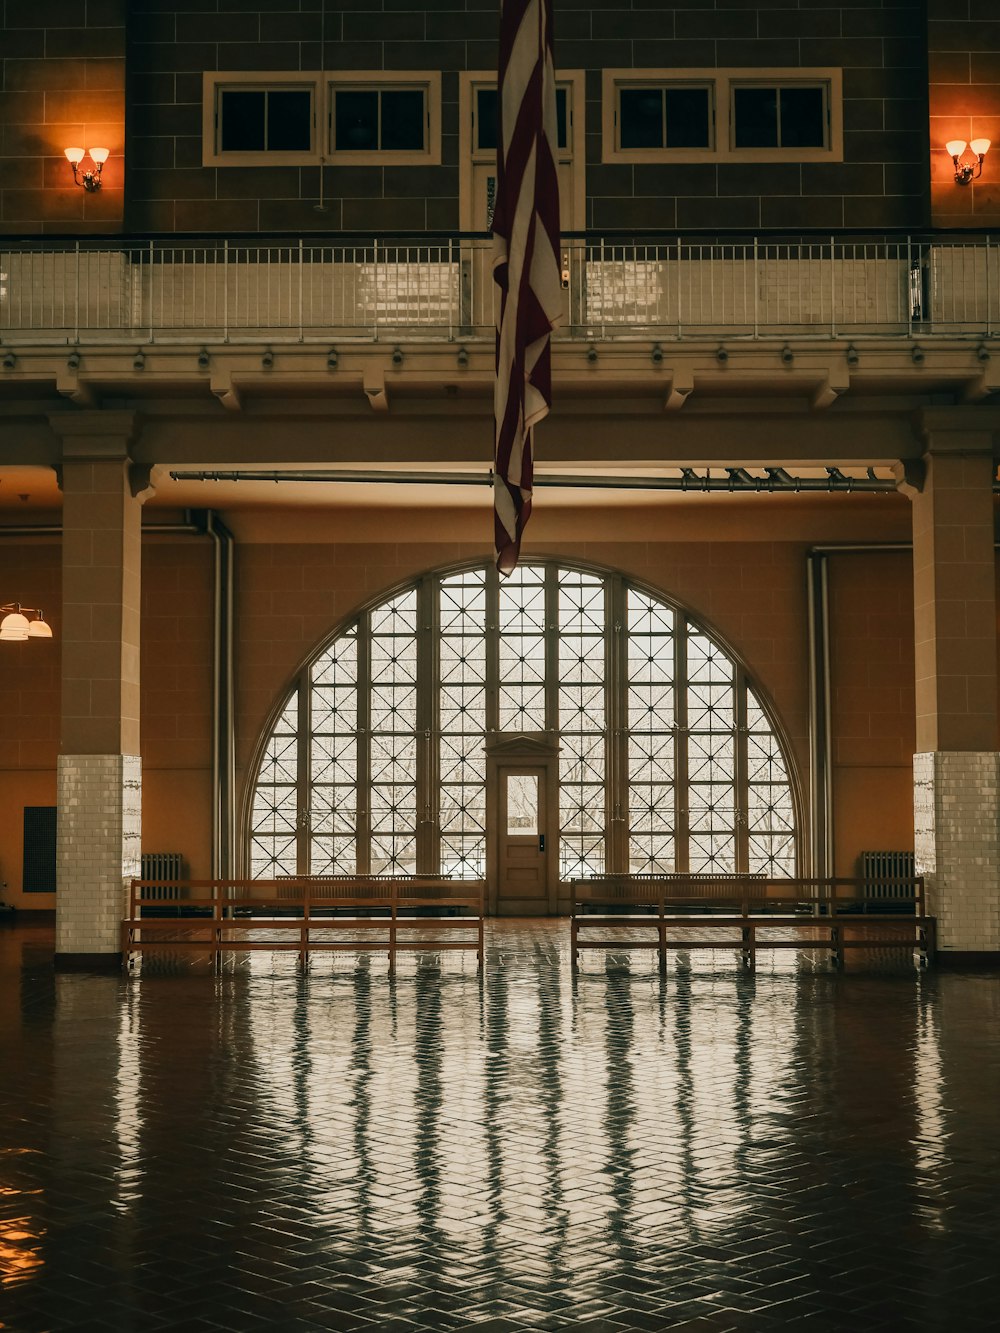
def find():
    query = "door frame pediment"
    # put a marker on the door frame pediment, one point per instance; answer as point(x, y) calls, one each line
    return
point(522, 745)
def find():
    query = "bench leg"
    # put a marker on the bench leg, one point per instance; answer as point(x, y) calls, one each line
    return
point(749, 951)
point(574, 951)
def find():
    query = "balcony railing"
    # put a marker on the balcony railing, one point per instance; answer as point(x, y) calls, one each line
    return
point(315, 290)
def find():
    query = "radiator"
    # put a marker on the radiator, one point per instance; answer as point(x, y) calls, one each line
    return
point(887, 874)
point(162, 866)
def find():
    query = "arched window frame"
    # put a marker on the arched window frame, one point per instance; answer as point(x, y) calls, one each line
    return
point(617, 830)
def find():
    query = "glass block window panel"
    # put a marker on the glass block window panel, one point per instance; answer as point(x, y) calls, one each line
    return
point(650, 713)
point(521, 650)
point(711, 755)
point(274, 814)
point(770, 807)
point(333, 759)
point(461, 711)
point(392, 738)
point(275, 120)
point(582, 715)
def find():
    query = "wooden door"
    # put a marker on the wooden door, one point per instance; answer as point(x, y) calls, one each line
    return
point(522, 887)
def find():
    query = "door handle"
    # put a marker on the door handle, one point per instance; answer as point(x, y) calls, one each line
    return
point(541, 842)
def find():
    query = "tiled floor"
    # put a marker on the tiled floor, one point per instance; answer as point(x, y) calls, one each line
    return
point(795, 1149)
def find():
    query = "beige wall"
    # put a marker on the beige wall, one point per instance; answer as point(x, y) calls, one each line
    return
point(738, 566)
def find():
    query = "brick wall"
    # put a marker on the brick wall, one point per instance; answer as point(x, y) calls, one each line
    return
point(881, 48)
point(62, 82)
point(964, 92)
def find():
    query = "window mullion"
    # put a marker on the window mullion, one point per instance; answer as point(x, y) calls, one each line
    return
point(616, 725)
point(303, 775)
point(681, 793)
point(364, 786)
point(428, 729)
point(551, 622)
point(741, 793)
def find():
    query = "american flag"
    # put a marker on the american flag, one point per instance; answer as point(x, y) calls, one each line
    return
point(525, 258)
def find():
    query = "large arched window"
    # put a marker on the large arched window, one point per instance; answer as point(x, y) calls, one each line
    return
point(668, 759)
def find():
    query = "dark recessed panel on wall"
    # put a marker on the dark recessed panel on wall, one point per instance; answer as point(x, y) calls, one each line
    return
point(39, 870)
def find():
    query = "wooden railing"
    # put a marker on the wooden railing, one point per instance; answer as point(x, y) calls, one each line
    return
point(706, 912)
point(305, 915)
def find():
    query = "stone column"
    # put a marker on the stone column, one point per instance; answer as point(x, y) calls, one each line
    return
point(100, 773)
point(956, 769)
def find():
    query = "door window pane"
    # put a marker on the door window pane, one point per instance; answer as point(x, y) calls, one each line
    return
point(486, 118)
point(522, 804)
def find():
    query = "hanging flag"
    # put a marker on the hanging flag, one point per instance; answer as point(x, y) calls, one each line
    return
point(525, 258)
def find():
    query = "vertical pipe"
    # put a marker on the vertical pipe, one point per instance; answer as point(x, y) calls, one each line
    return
point(223, 752)
point(820, 759)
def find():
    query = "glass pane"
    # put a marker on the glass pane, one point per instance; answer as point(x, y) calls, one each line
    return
point(486, 118)
point(562, 117)
point(289, 120)
point(755, 116)
point(522, 803)
point(356, 120)
point(803, 118)
point(241, 116)
point(403, 119)
point(687, 118)
point(640, 117)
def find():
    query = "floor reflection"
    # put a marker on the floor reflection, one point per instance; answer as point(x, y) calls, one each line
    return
point(338, 1149)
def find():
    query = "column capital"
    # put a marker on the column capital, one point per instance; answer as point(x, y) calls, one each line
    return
point(958, 430)
point(94, 436)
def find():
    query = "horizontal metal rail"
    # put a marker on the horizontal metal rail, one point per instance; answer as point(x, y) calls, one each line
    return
point(733, 479)
point(441, 289)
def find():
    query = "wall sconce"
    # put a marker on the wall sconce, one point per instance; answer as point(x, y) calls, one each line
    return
point(90, 180)
point(967, 171)
point(17, 628)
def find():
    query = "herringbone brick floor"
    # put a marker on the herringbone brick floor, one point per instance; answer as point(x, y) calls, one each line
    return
point(795, 1149)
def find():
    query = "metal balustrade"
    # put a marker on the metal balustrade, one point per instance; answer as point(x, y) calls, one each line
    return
point(303, 291)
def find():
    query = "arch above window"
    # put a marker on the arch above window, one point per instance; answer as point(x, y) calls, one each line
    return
point(669, 760)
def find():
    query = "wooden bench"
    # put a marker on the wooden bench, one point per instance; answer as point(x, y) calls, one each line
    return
point(698, 911)
point(387, 913)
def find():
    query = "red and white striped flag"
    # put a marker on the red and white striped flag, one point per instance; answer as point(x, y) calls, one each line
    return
point(525, 257)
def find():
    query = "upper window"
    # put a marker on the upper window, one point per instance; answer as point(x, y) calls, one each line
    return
point(723, 114)
point(383, 120)
point(765, 115)
point(307, 118)
point(265, 120)
point(665, 116)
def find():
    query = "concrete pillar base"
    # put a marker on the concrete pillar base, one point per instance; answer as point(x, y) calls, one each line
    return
point(956, 813)
point(97, 853)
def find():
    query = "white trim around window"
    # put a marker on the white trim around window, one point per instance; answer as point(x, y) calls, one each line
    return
point(719, 88)
point(420, 88)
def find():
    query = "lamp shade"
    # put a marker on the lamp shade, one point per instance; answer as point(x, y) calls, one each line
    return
point(74, 155)
point(100, 155)
point(980, 147)
point(38, 629)
point(956, 147)
point(14, 628)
